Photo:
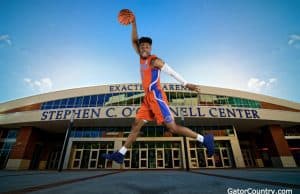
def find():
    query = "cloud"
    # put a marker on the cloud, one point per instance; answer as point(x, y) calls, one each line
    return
point(257, 85)
point(294, 40)
point(42, 85)
point(4, 39)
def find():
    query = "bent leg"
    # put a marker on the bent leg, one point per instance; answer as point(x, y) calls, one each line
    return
point(207, 140)
point(180, 130)
point(118, 156)
point(135, 130)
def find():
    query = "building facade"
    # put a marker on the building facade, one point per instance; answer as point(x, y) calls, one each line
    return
point(251, 130)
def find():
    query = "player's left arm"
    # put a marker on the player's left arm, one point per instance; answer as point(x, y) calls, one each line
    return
point(160, 64)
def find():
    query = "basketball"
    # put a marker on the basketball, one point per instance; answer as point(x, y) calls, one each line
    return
point(126, 17)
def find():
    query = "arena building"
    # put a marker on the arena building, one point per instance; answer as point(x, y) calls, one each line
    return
point(251, 130)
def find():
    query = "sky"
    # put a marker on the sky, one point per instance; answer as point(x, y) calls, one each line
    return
point(248, 45)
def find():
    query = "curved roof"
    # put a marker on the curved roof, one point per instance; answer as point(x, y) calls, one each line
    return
point(130, 87)
point(29, 111)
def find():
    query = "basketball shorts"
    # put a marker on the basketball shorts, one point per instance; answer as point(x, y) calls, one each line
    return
point(155, 107)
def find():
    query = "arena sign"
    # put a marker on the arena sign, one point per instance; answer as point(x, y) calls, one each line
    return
point(139, 87)
point(130, 111)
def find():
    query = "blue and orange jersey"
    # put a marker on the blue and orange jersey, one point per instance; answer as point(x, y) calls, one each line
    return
point(155, 102)
point(150, 76)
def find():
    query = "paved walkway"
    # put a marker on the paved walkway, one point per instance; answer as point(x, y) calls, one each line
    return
point(235, 181)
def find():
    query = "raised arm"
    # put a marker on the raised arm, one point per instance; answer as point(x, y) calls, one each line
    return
point(134, 37)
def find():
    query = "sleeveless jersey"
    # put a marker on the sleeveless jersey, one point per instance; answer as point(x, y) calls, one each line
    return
point(150, 75)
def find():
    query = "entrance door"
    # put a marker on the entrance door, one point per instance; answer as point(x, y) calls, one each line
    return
point(93, 158)
point(218, 158)
point(225, 157)
point(143, 158)
point(77, 158)
point(35, 161)
point(127, 159)
point(202, 161)
point(176, 157)
point(85, 158)
point(210, 161)
point(102, 162)
point(53, 160)
point(194, 158)
point(160, 159)
point(249, 161)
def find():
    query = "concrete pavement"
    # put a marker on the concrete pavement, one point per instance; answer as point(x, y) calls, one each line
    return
point(152, 181)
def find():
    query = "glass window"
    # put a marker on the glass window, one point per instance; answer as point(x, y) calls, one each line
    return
point(194, 99)
point(93, 101)
point(78, 101)
point(43, 107)
point(241, 102)
point(180, 98)
point(106, 99)
point(100, 100)
point(119, 99)
point(151, 131)
point(86, 101)
point(87, 146)
point(128, 99)
point(95, 145)
point(258, 105)
point(138, 97)
point(144, 132)
point(12, 133)
point(159, 131)
point(172, 98)
point(168, 95)
point(78, 133)
point(95, 133)
point(63, 103)
point(48, 105)
point(56, 104)
point(110, 145)
point(71, 102)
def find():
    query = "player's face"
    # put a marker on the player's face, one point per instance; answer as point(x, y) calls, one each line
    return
point(145, 49)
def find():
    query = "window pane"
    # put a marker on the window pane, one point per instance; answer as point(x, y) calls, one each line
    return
point(71, 102)
point(63, 103)
point(106, 99)
point(86, 101)
point(43, 107)
point(100, 100)
point(48, 105)
point(78, 101)
point(93, 101)
point(12, 134)
point(56, 103)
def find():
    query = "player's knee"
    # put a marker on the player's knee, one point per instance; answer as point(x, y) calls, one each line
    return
point(137, 124)
point(173, 129)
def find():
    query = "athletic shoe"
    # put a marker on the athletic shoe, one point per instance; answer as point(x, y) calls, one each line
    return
point(208, 142)
point(116, 156)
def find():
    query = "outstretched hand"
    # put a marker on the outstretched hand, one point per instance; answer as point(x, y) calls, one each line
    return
point(193, 87)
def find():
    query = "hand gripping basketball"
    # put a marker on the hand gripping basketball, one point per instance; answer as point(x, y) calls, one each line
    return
point(126, 17)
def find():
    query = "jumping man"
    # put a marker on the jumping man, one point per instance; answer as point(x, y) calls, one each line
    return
point(155, 103)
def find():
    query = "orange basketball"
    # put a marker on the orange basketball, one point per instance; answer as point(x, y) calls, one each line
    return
point(126, 17)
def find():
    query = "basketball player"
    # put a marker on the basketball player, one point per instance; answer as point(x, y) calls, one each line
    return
point(155, 103)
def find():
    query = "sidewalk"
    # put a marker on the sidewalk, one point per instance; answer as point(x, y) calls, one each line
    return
point(150, 181)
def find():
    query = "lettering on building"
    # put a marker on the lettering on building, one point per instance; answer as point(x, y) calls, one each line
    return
point(130, 111)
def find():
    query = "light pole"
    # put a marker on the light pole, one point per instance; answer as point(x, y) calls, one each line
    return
point(66, 141)
point(187, 164)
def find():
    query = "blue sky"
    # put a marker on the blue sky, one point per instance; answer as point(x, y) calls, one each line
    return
point(50, 45)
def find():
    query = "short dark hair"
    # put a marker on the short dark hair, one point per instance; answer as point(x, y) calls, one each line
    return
point(145, 39)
